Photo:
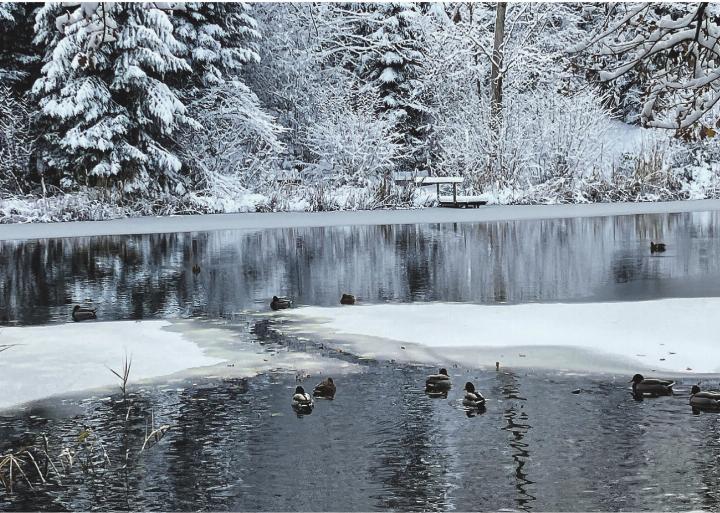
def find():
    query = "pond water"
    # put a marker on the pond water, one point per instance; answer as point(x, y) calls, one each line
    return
point(382, 443)
point(150, 276)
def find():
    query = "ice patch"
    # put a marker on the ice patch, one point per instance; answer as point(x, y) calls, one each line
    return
point(670, 335)
point(45, 361)
point(55, 359)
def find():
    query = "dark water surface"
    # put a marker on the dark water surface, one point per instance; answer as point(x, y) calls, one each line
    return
point(381, 444)
point(150, 276)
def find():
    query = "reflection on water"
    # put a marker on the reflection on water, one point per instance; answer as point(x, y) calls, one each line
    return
point(148, 276)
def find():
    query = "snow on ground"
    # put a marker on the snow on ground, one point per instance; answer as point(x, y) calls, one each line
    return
point(213, 222)
point(62, 359)
point(673, 336)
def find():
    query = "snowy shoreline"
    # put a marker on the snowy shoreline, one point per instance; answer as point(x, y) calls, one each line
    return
point(249, 221)
point(69, 359)
point(670, 336)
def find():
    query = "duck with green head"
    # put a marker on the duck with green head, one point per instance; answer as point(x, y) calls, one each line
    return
point(280, 303)
point(473, 398)
point(83, 314)
point(704, 400)
point(650, 387)
point(302, 403)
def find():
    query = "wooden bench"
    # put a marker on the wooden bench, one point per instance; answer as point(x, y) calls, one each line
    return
point(454, 200)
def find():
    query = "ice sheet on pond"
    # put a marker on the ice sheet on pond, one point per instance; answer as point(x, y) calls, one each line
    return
point(671, 335)
point(45, 361)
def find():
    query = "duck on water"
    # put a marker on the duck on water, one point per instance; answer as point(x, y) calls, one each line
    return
point(302, 403)
point(437, 385)
point(325, 389)
point(280, 303)
point(80, 313)
point(707, 400)
point(473, 398)
point(650, 387)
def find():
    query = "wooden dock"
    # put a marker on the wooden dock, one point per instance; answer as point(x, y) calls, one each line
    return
point(453, 201)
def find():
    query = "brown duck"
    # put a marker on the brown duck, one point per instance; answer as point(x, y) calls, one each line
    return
point(326, 389)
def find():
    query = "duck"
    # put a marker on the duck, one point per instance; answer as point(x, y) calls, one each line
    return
point(473, 399)
point(651, 387)
point(709, 400)
point(279, 303)
point(347, 299)
point(83, 314)
point(196, 269)
point(657, 247)
point(301, 401)
point(438, 383)
point(325, 389)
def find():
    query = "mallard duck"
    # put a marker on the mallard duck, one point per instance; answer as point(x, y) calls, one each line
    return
point(83, 314)
point(473, 399)
point(657, 247)
point(651, 387)
point(196, 269)
point(438, 383)
point(325, 389)
point(279, 303)
point(301, 401)
point(709, 400)
point(347, 299)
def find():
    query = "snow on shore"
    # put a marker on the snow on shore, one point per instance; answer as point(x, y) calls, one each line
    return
point(674, 336)
point(247, 221)
point(67, 358)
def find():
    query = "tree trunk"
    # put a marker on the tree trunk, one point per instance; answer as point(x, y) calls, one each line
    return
point(496, 78)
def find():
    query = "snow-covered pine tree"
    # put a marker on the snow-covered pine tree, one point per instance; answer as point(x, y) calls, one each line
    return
point(109, 114)
point(218, 38)
point(382, 45)
point(19, 62)
point(235, 141)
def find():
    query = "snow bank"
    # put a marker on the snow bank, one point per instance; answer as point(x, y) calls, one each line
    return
point(67, 358)
point(214, 222)
point(50, 360)
point(669, 335)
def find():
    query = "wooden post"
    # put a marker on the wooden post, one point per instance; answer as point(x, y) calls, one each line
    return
point(455, 193)
point(438, 191)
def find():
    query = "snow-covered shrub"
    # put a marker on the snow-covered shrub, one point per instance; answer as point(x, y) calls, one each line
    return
point(17, 141)
point(234, 149)
point(544, 134)
point(348, 138)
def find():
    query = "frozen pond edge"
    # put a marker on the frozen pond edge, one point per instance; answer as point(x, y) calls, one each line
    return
point(249, 221)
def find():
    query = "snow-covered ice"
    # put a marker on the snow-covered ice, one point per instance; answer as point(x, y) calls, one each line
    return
point(49, 360)
point(670, 335)
point(62, 359)
point(247, 221)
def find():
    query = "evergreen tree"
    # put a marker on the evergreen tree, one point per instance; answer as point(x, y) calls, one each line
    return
point(19, 62)
point(108, 112)
point(218, 39)
point(381, 44)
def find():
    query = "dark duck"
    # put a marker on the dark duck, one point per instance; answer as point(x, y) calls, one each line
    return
point(83, 314)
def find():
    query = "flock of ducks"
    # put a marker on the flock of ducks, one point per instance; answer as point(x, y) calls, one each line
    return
point(438, 385)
